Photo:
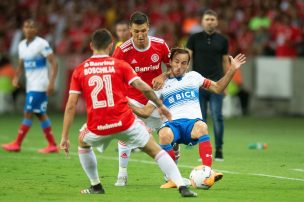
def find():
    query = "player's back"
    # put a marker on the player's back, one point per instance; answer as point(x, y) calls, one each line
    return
point(103, 80)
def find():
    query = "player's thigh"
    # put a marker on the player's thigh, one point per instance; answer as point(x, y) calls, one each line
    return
point(165, 135)
point(199, 129)
point(151, 148)
point(87, 138)
point(135, 136)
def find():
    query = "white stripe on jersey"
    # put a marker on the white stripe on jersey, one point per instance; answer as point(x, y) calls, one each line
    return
point(155, 39)
point(125, 44)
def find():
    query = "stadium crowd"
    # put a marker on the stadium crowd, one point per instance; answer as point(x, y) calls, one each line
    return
point(254, 27)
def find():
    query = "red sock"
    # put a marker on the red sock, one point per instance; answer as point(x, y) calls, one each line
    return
point(171, 154)
point(22, 133)
point(49, 135)
point(205, 151)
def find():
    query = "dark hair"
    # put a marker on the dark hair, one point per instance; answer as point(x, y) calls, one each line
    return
point(138, 18)
point(31, 21)
point(122, 22)
point(101, 39)
point(176, 51)
point(210, 12)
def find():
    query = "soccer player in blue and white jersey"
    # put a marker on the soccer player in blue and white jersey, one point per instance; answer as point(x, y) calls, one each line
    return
point(34, 55)
point(181, 95)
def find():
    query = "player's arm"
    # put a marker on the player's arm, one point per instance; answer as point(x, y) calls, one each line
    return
point(69, 114)
point(143, 112)
point(19, 72)
point(53, 73)
point(150, 95)
point(159, 81)
point(220, 85)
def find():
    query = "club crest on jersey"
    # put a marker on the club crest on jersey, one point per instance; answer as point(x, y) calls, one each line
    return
point(154, 57)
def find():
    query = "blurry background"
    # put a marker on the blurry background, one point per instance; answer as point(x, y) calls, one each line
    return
point(270, 33)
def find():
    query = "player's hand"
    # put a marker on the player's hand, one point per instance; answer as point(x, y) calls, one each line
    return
point(50, 89)
point(164, 112)
point(65, 145)
point(158, 82)
point(15, 82)
point(237, 61)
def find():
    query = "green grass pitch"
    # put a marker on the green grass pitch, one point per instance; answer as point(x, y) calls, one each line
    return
point(276, 174)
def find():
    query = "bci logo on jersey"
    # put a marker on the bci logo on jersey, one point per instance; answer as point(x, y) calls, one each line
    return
point(30, 64)
point(154, 57)
point(185, 95)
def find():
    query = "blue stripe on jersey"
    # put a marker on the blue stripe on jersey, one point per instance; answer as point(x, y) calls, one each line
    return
point(35, 63)
point(180, 96)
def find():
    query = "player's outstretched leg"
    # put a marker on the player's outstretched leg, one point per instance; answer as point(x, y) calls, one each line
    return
point(89, 164)
point(124, 153)
point(168, 166)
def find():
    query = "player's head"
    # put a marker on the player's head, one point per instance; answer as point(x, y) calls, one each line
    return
point(179, 61)
point(139, 27)
point(122, 31)
point(209, 21)
point(30, 29)
point(101, 40)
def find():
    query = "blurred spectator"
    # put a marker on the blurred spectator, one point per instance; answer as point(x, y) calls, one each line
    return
point(7, 73)
point(259, 27)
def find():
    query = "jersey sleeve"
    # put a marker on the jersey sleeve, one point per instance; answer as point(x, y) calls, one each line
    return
point(129, 74)
point(46, 49)
point(197, 78)
point(166, 52)
point(75, 86)
point(118, 53)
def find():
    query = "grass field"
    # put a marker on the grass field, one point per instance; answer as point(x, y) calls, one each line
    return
point(276, 174)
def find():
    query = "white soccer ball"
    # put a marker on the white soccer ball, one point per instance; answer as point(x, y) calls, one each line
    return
point(202, 177)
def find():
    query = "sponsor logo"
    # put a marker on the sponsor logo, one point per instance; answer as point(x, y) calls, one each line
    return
point(154, 57)
point(109, 126)
point(124, 155)
point(133, 61)
point(181, 96)
point(145, 69)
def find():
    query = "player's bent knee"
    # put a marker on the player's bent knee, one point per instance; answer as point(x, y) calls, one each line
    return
point(82, 144)
point(200, 128)
point(165, 136)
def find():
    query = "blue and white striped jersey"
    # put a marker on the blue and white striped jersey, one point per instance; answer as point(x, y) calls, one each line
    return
point(34, 56)
point(181, 95)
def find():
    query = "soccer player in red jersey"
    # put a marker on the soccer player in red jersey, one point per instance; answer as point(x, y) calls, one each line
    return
point(145, 54)
point(102, 81)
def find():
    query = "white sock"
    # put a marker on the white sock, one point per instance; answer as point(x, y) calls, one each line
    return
point(89, 164)
point(168, 166)
point(124, 153)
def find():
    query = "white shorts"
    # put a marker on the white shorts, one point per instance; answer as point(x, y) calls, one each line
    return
point(134, 137)
point(153, 122)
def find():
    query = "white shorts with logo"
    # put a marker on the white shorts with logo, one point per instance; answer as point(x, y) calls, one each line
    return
point(136, 136)
point(153, 122)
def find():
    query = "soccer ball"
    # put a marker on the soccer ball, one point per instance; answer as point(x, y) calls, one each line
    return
point(202, 177)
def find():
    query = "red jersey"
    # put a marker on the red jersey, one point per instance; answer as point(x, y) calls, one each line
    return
point(146, 63)
point(103, 80)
